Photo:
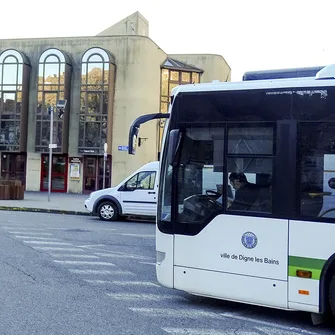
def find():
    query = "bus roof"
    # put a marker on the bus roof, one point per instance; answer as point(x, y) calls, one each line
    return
point(325, 77)
point(282, 73)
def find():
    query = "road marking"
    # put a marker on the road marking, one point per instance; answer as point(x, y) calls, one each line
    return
point(166, 312)
point(120, 255)
point(84, 263)
point(93, 272)
point(25, 228)
point(29, 233)
point(74, 256)
point(138, 235)
point(91, 245)
point(267, 323)
point(147, 263)
point(192, 331)
point(141, 297)
point(43, 242)
point(132, 283)
point(57, 249)
point(39, 238)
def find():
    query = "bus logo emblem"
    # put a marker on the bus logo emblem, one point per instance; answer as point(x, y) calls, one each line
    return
point(249, 240)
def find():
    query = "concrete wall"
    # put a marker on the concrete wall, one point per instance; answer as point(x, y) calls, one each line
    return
point(137, 92)
point(215, 67)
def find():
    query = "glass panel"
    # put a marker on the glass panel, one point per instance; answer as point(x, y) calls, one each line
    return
point(106, 73)
point(200, 174)
point(249, 184)
point(195, 78)
point(62, 74)
point(92, 134)
point(174, 75)
point(50, 99)
point(83, 74)
point(9, 74)
point(38, 133)
point(186, 77)
point(20, 76)
point(10, 59)
point(95, 59)
point(58, 183)
point(250, 140)
point(103, 56)
point(8, 103)
point(10, 132)
point(105, 103)
point(165, 82)
point(52, 59)
point(95, 74)
point(164, 107)
point(172, 85)
point(46, 56)
point(45, 133)
point(81, 134)
point(93, 103)
point(58, 164)
point(51, 75)
point(317, 146)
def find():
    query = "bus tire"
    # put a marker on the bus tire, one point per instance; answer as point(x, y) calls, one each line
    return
point(332, 297)
point(107, 211)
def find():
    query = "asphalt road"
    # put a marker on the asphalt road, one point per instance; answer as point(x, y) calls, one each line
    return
point(73, 275)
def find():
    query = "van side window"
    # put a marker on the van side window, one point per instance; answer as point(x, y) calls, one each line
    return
point(142, 181)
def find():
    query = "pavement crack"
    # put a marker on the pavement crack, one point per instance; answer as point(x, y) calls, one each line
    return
point(20, 270)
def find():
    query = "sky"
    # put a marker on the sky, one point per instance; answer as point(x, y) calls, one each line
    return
point(250, 34)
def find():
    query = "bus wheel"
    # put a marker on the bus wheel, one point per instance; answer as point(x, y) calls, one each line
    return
point(107, 211)
point(332, 296)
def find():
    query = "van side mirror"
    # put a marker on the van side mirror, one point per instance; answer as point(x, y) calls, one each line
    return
point(174, 143)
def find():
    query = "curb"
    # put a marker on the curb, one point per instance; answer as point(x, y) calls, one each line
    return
point(43, 210)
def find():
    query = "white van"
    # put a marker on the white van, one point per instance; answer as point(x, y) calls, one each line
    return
point(135, 196)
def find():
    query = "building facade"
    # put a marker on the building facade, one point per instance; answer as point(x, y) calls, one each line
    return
point(107, 80)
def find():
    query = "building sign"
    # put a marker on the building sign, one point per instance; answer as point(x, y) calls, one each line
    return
point(75, 164)
point(122, 148)
point(77, 160)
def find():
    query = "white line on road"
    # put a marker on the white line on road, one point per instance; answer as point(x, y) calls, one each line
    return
point(74, 256)
point(147, 263)
point(166, 312)
point(57, 249)
point(44, 242)
point(141, 297)
point(84, 263)
point(133, 283)
point(266, 323)
point(29, 233)
point(39, 238)
point(138, 235)
point(120, 255)
point(25, 228)
point(92, 272)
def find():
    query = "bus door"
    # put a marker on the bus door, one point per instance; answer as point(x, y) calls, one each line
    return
point(224, 245)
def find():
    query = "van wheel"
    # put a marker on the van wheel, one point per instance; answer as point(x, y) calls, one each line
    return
point(332, 296)
point(107, 211)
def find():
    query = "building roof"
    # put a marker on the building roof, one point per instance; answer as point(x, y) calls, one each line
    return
point(174, 64)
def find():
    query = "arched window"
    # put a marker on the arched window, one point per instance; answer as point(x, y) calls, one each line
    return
point(11, 85)
point(52, 87)
point(95, 86)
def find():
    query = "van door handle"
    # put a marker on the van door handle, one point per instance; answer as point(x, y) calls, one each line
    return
point(151, 192)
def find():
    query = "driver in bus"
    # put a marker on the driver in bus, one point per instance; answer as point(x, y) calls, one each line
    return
point(246, 193)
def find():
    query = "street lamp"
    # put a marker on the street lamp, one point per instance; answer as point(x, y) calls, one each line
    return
point(105, 159)
point(61, 104)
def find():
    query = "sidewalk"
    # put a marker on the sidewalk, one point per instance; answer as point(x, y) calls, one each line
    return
point(63, 203)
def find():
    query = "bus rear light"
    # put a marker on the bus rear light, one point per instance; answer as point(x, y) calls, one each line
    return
point(303, 292)
point(304, 274)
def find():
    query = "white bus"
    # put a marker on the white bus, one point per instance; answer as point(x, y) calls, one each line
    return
point(246, 208)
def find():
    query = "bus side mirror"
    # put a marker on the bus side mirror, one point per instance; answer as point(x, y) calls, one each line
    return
point(174, 141)
point(133, 140)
